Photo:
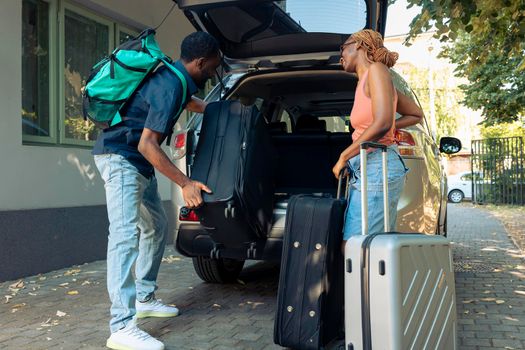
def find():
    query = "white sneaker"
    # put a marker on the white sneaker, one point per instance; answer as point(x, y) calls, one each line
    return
point(154, 308)
point(132, 338)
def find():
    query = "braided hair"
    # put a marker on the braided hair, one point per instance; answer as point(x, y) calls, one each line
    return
point(372, 42)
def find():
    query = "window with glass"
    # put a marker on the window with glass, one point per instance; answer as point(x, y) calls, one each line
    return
point(54, 71)
point(263, 20)
point(35, 69)
point(336, 123)
point(124, 36)
point(285, 118)
point(466, 177)
point(86, 41)
point(330, 16)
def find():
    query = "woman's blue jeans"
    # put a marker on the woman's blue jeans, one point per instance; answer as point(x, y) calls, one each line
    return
point(396, 181)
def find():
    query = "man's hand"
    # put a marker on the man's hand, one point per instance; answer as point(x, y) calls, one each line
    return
point(191, 192)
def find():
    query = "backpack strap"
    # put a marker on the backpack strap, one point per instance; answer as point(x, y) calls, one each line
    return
point(184, 83)
point(116, 119)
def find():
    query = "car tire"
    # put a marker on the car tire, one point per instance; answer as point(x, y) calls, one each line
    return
point(222, 270)
point(456, 196)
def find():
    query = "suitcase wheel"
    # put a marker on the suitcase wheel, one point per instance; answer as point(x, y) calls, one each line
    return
point(215, 252)
point(252, 251)
point(229, 211)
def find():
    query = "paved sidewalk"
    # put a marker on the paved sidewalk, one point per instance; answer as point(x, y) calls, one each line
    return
point(68, 309)
point(490, 281)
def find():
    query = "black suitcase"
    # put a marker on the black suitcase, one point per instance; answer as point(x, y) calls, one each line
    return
point(235, 159)
point(311, 295)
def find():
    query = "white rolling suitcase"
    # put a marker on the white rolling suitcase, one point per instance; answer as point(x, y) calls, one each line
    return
point(399, 287)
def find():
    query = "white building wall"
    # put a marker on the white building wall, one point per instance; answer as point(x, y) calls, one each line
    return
point(41, 176)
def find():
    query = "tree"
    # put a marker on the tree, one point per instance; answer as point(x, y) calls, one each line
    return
point(446, 98)
point(514, 129)
point(486, 39)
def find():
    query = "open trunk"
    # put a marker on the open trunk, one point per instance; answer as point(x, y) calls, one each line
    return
point(307, 112)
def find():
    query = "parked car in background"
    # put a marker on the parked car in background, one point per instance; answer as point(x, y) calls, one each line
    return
point(291, 73)
point(460, 186)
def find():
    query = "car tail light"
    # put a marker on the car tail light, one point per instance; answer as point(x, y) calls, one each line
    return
point(187, 214)
point(405, 142)
point(178, 145)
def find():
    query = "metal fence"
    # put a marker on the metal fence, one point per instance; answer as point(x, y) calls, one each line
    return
point(498, 171)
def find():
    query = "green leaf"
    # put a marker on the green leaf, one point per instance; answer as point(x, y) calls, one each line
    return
point(486, 42)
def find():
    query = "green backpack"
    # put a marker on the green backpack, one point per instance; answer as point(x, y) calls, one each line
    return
point(114, 79)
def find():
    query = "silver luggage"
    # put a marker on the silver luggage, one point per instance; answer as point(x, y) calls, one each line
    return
point(399, 287)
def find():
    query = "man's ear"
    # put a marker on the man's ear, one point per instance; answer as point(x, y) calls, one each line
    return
point(200, 63)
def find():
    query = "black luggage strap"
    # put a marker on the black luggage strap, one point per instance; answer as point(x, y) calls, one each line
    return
point(309, 215)
point(168, 63)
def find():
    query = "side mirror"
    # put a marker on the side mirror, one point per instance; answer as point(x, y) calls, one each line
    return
point(449, 145)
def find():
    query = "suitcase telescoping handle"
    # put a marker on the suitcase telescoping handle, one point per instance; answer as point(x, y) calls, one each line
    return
point(340, 183)
point(364, 186)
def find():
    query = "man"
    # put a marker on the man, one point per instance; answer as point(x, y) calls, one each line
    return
point(126, 156)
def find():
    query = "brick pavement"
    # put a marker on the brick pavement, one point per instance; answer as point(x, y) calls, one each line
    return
point(68, 309)
point(490, 281)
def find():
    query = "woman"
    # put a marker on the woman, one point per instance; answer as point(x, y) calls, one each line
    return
point(373, 118)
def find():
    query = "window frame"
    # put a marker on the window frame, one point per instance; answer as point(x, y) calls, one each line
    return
point(63, 139)
point(56, 34)
point(119, 27)
point(52, 139)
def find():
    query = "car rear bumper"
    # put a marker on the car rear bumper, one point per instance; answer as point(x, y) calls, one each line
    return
point(193, 240)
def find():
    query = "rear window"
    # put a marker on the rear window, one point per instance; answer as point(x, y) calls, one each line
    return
point(327, 16)
point(265, 20)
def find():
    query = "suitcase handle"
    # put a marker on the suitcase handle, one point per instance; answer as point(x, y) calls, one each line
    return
point(340, 183)
point(370, 144)
point(364, 185)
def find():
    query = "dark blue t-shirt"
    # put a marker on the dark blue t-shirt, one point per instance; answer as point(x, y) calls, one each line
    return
point(153, 106)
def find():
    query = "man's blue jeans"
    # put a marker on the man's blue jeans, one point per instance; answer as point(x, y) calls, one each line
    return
point(137, 234)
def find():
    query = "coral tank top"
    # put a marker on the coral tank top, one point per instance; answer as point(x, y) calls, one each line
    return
point(361, 116)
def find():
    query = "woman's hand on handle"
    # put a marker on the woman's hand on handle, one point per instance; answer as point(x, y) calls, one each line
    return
point(339, 167)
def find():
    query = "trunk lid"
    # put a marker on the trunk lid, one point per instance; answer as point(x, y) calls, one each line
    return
point(263, 33)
